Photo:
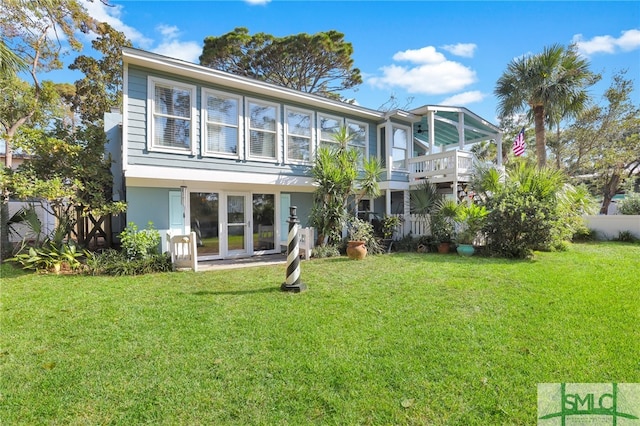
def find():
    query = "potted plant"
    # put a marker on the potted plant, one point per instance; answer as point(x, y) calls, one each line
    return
point(442, 232)
point(359, 233)
point(442, 224)
point(470, 219)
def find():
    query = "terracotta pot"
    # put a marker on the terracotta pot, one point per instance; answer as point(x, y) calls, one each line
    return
point(443, 248)
point(356, 250)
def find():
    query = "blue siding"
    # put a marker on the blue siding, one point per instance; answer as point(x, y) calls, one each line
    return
point(148, 204)
point(137, 132)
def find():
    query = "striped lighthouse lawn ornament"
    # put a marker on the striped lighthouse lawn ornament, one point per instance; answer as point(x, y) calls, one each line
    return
point(293, 283)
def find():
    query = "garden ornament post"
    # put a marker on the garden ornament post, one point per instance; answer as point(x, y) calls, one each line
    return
point(293, 283)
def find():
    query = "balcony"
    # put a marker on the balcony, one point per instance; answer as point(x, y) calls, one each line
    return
point(448, 166)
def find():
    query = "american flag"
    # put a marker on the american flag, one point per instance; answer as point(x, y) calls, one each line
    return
point(518, 144)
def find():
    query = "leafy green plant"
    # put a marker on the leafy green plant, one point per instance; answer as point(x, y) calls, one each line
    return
point(50, 257)
point(139, 244)
point(361, 230)
point(471, 218)
point(115, 263)
point(389, 224)
point(341, 176)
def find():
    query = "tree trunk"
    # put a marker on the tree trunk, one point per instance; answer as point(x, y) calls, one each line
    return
point(610, 189)
point(541, 144)
point(6, 250)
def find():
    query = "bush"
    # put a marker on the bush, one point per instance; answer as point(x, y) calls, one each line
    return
point(326, 251)
point(112, 262)
point(626, 237)
point(519, 223)
point(630, 205)
point(139, 244)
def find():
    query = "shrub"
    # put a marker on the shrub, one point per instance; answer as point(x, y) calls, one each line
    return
point(626, 237)
point(518, 223)
point(112, 262)
point(139, 244)
point(326, 251)
point(630, 205)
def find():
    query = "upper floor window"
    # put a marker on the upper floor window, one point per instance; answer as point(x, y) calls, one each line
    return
point(263, 129)
point(172, 113)
point(329, 126)
point(358, 137)
point(400, 147)
point(298, 134)
point(221, 112)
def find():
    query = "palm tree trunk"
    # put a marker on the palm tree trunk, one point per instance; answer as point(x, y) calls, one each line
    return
point(541, 144)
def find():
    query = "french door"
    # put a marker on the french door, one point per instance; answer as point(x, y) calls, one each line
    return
point(233, 224)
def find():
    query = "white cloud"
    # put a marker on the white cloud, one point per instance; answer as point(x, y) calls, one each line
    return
point(466, 98)
point(112, 15)
point(465, 50)
point(433, 74)
point(188, 51)
point(425, 55)
point(257, 2)
point(628, 40)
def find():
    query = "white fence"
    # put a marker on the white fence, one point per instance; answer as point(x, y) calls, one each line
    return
point(608, 227)
point(22, 231)
point(415, 224)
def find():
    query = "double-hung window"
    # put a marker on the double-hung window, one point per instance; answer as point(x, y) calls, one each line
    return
point(262, 121)
point(400, 147)
point(298, 129)
point(221, 118)
point(329, 126)
point(172, 116)
point(358, 138)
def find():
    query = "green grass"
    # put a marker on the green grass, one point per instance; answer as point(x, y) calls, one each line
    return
point(393, 339)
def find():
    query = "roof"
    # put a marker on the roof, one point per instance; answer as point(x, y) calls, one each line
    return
point(446, 122)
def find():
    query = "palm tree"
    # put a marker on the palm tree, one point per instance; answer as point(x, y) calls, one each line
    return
point(550, 86)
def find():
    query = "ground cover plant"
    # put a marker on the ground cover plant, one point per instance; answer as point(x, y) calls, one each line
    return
point(405, 338)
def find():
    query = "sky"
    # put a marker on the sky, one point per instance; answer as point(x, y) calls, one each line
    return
point(415, 52)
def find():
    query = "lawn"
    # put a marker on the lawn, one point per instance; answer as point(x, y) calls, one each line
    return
point(393, 339)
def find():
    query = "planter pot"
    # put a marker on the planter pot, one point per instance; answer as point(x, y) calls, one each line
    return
point(443, 248)
point(356, 250)
point(465, 249)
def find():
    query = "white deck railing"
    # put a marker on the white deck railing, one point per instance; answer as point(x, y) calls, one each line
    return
point(442, 167)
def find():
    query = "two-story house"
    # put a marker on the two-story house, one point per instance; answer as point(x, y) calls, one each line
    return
point(197, 149)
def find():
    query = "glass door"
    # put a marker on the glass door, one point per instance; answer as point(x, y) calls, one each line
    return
point(264, 230)
point(238, 221)
point(204, 207)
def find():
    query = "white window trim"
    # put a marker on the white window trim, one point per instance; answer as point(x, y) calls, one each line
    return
point(204, 122)
point(340, 120)
point(407, 129)
point(278, 131)
point(366, 135)
point(312, 150)
point(151, 84)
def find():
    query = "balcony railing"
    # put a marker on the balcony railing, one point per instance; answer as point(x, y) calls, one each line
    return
point(442, 167)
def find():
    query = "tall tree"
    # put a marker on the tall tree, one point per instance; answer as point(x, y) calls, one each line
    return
point(548, 86)
point(33, 32)
point(319, 63)
point(101, 87)
point(604, 143)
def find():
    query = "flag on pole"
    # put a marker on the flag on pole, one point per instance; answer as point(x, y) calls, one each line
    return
point(518, 144)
